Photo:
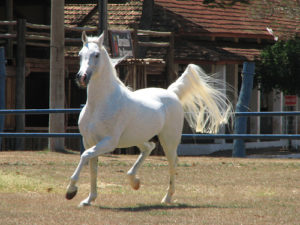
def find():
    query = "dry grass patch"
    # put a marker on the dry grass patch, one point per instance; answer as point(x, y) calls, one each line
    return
point(208, 191)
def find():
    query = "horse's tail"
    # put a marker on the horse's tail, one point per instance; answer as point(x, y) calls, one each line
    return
point(206, 106)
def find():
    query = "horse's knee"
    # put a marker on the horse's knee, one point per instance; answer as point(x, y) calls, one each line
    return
point(147, 147)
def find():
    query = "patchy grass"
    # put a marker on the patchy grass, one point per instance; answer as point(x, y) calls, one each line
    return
point(208, 191)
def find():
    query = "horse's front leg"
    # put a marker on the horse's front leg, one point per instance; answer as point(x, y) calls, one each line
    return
point(72, 188)
point(93, 191)
point(107, 144)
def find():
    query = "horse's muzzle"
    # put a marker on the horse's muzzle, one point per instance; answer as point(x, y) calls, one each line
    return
point(81, 80)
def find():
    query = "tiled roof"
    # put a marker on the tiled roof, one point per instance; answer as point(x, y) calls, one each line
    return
point(120, 16)
point(205, 51)
point(239, 20)
point(214, 52)
point(191, 18)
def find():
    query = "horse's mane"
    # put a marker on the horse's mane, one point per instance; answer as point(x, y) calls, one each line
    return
point(116, 76)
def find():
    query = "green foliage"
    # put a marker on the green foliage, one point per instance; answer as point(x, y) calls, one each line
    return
point(278, 67)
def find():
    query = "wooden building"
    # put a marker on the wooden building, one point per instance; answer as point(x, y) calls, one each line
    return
point(218, 39)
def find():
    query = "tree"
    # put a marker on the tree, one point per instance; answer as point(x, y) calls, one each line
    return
point(278, 67)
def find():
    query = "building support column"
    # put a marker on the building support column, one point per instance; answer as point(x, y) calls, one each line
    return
point(2, 90)
point(57, 74)
point(20, 81)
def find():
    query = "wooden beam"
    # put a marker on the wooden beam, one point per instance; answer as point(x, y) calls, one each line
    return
point(153, 33)
point(153, 44)
point(8, 36)
point(80, 29)
point(57, 74)
point(10, 22)
point(9, 16)
point(20, 80)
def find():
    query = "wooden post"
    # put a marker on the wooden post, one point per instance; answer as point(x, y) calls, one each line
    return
point(2, 89)
point(171, 74)
point(102, 24)
point(9, 17)
point(135, 41)
point(20, 80)
point(240, 125)
point(57, 74)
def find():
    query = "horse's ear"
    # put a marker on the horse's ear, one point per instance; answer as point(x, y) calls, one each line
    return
point(83, 37)
point(101, 39)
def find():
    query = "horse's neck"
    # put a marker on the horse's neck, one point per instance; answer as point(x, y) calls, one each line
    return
point(103, 86)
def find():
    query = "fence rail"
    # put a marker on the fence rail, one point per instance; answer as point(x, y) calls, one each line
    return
point(241, 136)
point(38, 111)
point(187, 136)
point(77, 110)
point(39, 135)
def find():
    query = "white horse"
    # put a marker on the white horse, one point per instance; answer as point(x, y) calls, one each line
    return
point(116, 117)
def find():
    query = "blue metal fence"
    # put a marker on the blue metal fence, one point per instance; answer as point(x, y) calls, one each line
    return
point(186, 136)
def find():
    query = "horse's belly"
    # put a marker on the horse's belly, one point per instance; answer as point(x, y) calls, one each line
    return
point(133, 139)
point(142, 129)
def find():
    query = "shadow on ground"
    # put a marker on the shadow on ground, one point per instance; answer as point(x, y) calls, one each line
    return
point(143, 207)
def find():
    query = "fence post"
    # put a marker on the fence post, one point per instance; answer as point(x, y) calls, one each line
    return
point(2, 89)
point(20, 80)
point(240, 126)
point(171, 74)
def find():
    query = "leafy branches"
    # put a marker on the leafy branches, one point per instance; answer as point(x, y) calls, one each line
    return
point(279, 67)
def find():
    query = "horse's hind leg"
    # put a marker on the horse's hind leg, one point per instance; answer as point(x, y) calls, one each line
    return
point(145, 149)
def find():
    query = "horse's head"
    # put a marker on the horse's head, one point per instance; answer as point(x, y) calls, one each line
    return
point(90, 58)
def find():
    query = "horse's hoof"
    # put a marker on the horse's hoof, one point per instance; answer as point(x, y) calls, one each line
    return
point(166, 200)
point(84, 204)
point(136, 184)
point(70, 195)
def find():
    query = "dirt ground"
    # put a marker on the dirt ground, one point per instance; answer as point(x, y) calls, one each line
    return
point(209, 190)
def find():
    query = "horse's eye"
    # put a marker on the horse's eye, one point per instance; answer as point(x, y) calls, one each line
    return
point(97, 55)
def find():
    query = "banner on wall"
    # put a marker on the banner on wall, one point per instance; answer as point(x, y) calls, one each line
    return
point(290, 100)
point(121, 43)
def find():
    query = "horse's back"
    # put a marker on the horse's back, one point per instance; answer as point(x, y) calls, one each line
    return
point(173, 110)
point(167, 99)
